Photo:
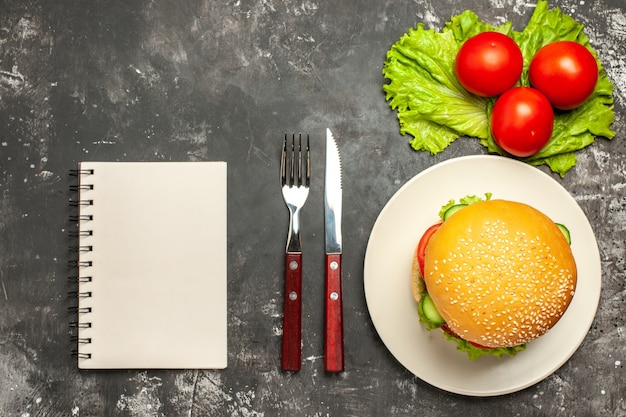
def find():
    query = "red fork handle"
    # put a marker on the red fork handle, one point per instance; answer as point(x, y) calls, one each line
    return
point(292, 313)
point(333, 344)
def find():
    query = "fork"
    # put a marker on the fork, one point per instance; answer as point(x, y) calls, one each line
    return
point(295, 178)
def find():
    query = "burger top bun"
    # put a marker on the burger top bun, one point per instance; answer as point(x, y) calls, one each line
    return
point(501, 273)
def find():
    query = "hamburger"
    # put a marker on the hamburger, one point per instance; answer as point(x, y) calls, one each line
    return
point(493, 275)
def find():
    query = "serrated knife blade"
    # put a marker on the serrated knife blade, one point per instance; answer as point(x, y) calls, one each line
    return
point(333, 328)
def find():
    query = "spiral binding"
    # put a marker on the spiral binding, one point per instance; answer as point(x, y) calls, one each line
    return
point(78, 310)
point(79, 172)
point(77, 203)
point(80, 355)
point(79, 233)
point(75, 218)
point(81, 248)
point(82, 266)
point(80, 187)
point(76, 279)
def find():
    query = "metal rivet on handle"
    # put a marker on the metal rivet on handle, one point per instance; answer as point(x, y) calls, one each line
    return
point(334, 265)
point(293, 265)
point(334, 296)
point(293, 296)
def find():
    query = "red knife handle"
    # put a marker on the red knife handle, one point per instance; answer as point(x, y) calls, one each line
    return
point(333, 345)
point(292, 313)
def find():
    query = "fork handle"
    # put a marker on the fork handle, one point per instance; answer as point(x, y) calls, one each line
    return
point(292, 313)
point(333, 343)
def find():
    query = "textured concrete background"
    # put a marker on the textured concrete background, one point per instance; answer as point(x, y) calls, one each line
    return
point(205, 80)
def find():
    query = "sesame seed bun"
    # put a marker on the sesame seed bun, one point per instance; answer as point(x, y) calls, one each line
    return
point(501, 273)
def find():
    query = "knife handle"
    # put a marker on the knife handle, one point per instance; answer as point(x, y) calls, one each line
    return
point(333, 345)
point(292, 313)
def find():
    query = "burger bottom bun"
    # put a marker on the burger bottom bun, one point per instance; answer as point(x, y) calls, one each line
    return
point(416, 277)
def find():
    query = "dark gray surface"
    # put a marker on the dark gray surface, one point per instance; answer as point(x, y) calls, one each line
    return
point(204, 80)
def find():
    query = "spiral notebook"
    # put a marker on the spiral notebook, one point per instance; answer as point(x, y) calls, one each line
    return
point(151, 265)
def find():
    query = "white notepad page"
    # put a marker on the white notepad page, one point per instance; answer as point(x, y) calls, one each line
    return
point(158, 266)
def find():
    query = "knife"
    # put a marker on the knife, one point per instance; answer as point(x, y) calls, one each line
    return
point(333, 327)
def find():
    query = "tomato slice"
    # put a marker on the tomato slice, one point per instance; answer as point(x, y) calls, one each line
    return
point(421, 246)
point(477, 345)
point(448, 330)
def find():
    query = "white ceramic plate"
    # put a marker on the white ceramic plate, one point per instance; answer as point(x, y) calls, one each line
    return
point(388, 263)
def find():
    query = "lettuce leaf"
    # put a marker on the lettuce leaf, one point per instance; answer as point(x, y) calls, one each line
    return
point(467, 200)
point(435, 109)
point(474, 352)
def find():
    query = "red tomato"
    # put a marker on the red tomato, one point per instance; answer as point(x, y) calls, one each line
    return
point(478, 345)
point(488, 64)
point(565, 72)
point(421, 246)
point(448, 330)
point(522, 120)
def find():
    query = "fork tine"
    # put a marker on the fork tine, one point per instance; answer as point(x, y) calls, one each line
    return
point(299, 159)
point(292, 162)
point(308, 162)
point(283, 163)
